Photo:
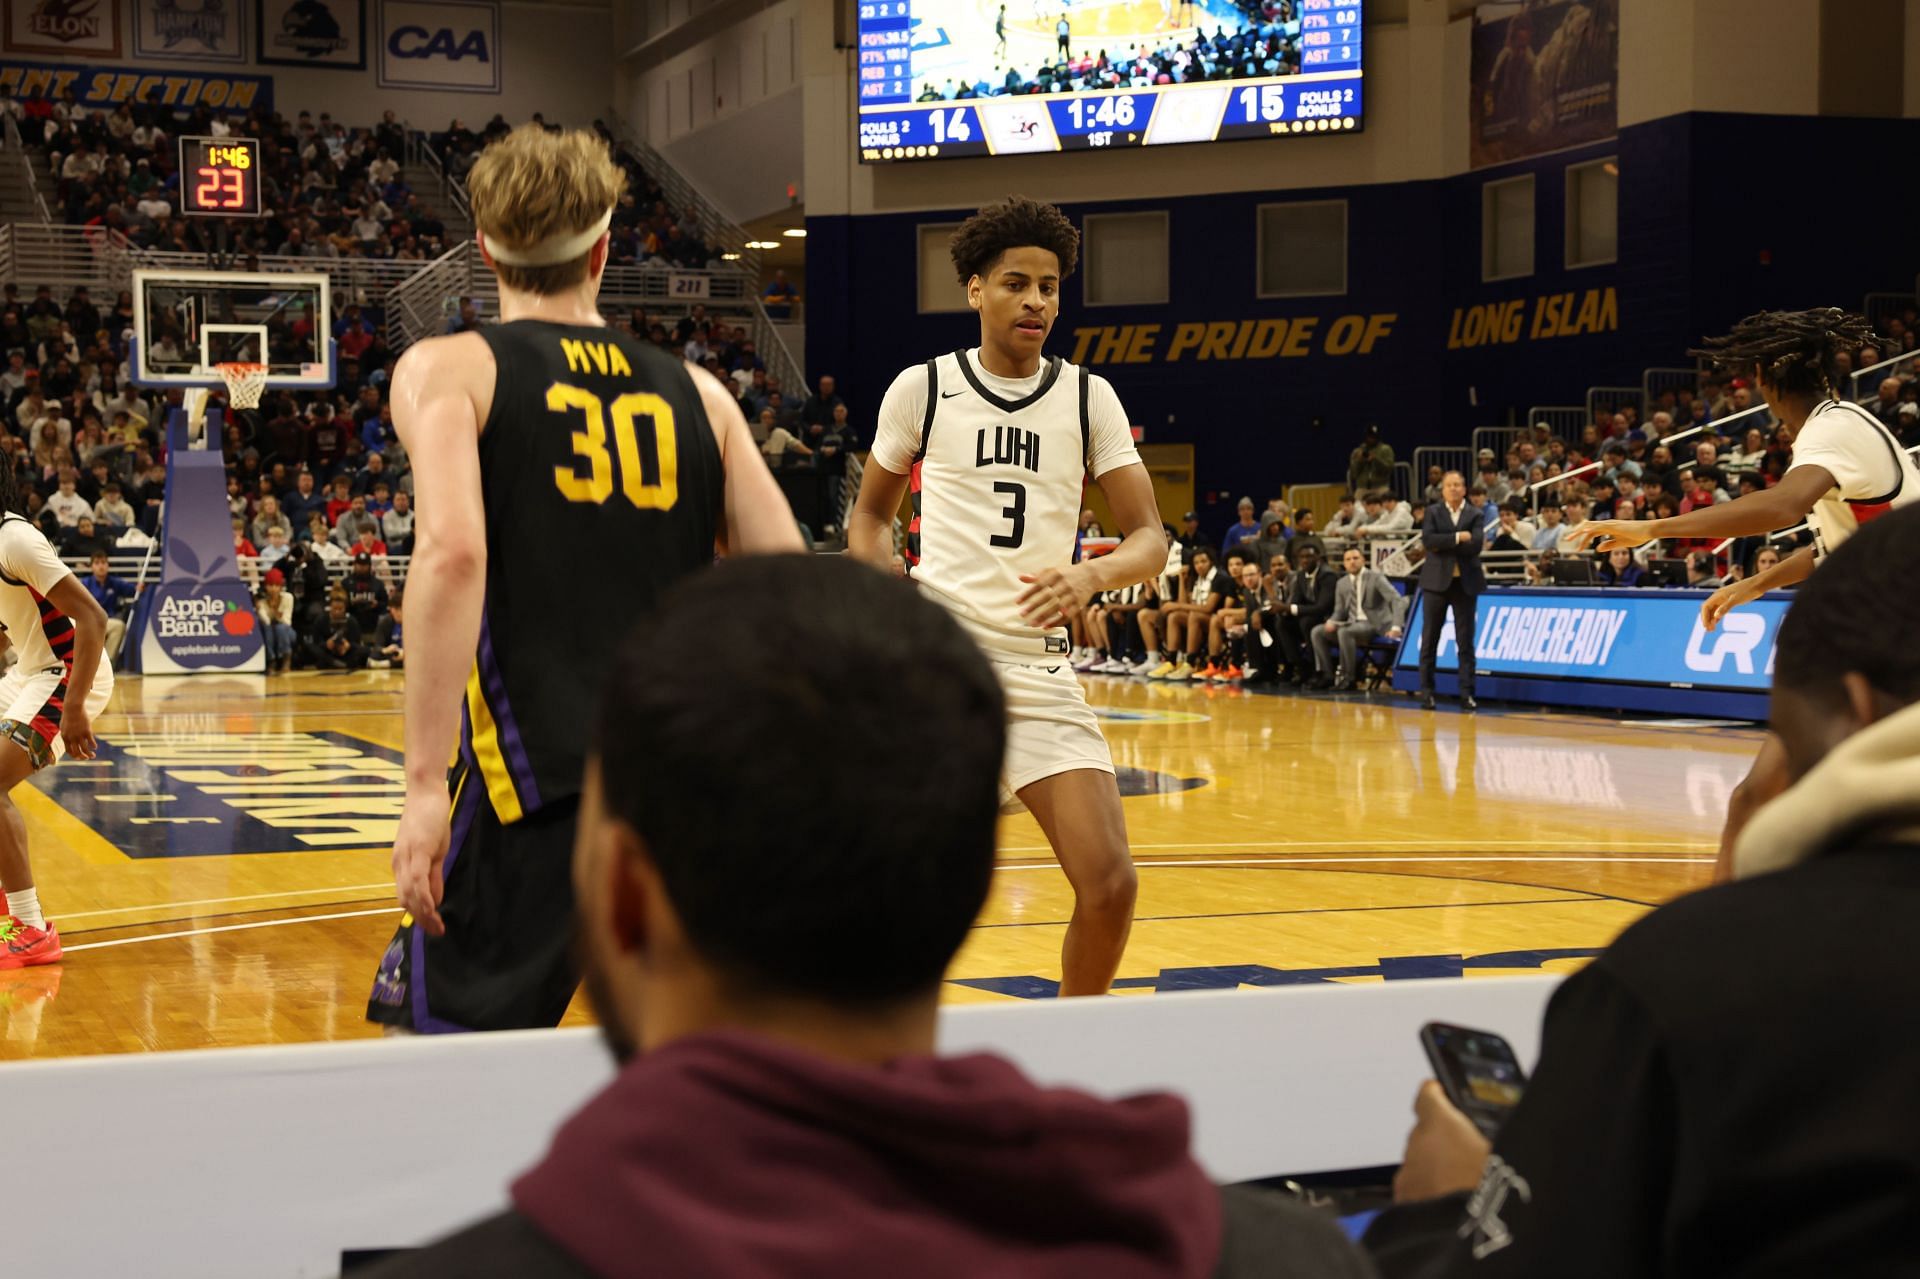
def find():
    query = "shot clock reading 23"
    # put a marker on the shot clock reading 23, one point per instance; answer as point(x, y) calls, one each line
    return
point(944, 78)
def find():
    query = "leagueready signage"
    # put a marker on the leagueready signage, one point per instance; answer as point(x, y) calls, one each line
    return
point(1643, 638)
point(200, 618)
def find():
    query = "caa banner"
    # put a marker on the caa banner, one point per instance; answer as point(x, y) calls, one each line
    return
point(1545, 77)
point(109, 86)
point(1547, 641)
point(189, 30)
point(200, 619)
point(440, 44)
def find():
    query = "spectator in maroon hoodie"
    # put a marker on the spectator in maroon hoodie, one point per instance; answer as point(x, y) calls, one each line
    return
point(767, 970)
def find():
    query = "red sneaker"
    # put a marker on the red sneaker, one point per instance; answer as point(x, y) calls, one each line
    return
point(22, 946)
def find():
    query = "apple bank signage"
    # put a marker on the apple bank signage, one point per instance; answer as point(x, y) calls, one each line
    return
point(1545, 640)
point(440, 44)
point(200, 618)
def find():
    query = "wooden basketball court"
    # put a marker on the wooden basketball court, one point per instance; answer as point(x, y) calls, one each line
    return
point(220, 874)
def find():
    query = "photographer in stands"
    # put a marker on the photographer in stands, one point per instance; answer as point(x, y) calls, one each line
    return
point(1709, 1100)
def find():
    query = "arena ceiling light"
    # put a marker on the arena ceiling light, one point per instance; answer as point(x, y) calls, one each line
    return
point(763, 244)
point(795, 233)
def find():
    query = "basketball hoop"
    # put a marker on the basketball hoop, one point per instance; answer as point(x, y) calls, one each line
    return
point(245, 383)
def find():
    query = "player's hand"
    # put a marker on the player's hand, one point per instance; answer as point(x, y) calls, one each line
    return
point(1445, 1152)
point(419, 851)
point(1612, 535)
point(1724, 601)
point(1055, 594)
point(76, 730)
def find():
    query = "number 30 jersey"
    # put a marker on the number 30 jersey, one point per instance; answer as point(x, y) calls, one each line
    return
point(602, 484)
point(999, 467)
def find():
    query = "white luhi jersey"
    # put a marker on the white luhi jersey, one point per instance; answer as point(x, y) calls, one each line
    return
point(41, 634)
point(999, 466)
point(1871, 473)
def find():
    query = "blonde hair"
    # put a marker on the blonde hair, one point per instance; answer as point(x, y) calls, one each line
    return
point(533, 185)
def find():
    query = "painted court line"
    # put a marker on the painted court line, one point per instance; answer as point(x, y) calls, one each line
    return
point(1387, 845)
point(231, 928)
point(1390, 857)
point(221, 901)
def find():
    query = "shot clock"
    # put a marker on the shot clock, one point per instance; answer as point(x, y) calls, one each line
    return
point(220, 177)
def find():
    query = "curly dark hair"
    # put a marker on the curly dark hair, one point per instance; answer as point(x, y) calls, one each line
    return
point(1794, 350)
point(1015, 222)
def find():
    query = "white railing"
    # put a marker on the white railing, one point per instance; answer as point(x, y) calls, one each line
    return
point(1566, 421)
point(1865, 384)
point(780, 361)
point(1611, 398)
point(142, 567)
point(17, 151)
point(66, 256)
point(1448, 457)
point(1656, 382)
point(1499, 439)
point(683, 197)
point(418, 307)
point(420, 153)
point(1880, 307)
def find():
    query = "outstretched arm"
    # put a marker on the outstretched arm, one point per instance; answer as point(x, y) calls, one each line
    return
point(1767, 511)
point(436, 387)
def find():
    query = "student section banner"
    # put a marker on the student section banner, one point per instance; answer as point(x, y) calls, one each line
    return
point(1639, 649)
point(1545, 76)
point(440, 44)
point(107, 87)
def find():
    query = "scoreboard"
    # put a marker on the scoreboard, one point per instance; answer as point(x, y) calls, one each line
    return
point(220, 177)
point(931, 84)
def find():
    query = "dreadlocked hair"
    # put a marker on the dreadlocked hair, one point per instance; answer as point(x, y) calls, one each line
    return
point(1792, 350)
point(1015, 222)
point(13, 497)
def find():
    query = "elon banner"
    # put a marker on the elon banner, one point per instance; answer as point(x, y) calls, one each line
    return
point(200, 618)
point(1545, 77)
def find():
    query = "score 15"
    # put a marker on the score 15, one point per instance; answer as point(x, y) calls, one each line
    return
point(220, 177)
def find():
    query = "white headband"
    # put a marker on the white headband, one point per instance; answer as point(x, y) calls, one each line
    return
point(551, 251)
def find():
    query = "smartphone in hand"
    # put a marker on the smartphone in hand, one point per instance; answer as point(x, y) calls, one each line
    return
point(1478, 1070)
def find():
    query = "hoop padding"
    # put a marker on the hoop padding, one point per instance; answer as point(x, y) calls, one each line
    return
point(245, 383)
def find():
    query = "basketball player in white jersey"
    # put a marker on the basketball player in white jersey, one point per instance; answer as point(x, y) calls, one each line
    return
point(60, 633)
point(1847, 469)
point(996, 444)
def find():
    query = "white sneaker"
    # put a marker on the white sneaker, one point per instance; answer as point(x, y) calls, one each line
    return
point(1086, 662)
point(1113, 666)
point(1144, 666)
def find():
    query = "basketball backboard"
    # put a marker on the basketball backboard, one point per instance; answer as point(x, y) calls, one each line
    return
point(185, 322)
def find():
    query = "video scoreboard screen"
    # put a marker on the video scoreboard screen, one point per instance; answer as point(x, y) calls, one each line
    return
point(936, 79)
point(220, 177)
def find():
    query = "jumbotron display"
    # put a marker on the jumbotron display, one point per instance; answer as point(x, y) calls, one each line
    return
point(937, 79)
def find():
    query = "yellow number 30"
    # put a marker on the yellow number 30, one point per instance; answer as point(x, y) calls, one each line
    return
point(590, 446)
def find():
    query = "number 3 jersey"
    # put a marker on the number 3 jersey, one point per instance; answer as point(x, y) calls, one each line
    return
point(999, 466)
point(602, 484)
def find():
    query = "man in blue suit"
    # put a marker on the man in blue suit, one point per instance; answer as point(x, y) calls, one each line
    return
point(1453, 533)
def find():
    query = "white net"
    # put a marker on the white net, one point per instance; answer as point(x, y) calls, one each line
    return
point(245, 382)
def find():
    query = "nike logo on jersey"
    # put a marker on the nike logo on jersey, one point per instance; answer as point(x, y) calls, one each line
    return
point(948, 395)
point(1012, 446)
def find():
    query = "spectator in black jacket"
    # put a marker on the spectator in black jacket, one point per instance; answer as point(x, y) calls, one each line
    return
point(754, 1006)
point(334, 641)
point(1309, 604)
point(1710, 1099)
point(366, 593)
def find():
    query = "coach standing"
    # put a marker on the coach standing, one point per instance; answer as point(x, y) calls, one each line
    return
point(1453, 533)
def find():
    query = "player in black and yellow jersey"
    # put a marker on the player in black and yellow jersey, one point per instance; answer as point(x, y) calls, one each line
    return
point(566, 474)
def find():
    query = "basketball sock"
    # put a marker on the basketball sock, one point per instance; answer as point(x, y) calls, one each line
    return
point(25, 907)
